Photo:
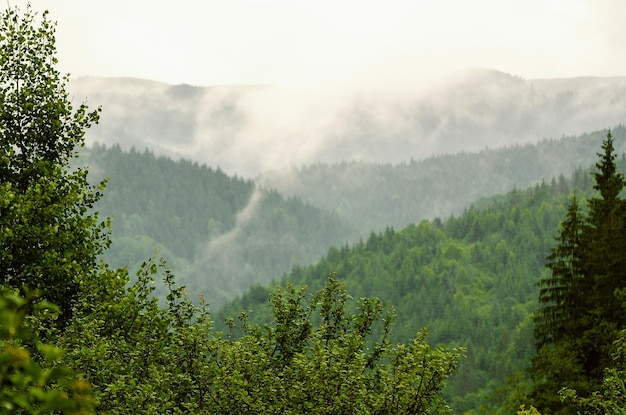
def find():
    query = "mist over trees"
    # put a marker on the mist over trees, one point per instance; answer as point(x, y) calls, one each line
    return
point(247, 130)
point(80, 334)
point(224, 234)
point(374, 196)
point(110, 346)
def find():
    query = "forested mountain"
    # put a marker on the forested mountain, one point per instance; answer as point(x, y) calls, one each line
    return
point(582, 308)
point(219, 233)
point(471, 279)
point(374, 196)
point(223, 234)
point(247, 130)
point(79, 335)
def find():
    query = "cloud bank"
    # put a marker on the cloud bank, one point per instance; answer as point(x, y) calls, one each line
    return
point(247, 130)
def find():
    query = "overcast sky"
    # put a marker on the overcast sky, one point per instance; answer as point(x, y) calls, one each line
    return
point(341, 42)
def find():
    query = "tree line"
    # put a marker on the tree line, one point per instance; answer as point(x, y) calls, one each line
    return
point(77, 336)
point(472, 279)
point(221, 233)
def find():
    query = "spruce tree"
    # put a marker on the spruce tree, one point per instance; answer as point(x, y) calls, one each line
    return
point(561, 293)
point(604, 261)
point(581, 309)
point(604, 234)
point(558, 326)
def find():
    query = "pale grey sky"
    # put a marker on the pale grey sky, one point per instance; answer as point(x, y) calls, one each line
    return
point(386, 43)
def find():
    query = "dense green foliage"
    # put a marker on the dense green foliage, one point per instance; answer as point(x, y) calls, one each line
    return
point(47, 242)
point(582, 300)
point(320, 355)
point(222, 234)
point(315, 357)
point(471, 279)
point(35, 385)
point(375, 196)
point(609, 399)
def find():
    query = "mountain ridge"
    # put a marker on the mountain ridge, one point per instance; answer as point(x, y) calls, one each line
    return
point(225, 231)
point(246, 130)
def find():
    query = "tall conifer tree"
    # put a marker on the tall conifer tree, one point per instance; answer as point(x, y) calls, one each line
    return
point(605, 262)
point(604, 233)
point(561, 293)
point(581, 310)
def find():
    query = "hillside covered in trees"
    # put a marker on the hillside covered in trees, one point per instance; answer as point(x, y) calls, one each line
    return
point(220, 233)
point(471, 279)
point(223, 234)
point(443, 315)
point(77, 336)
point(374, 196)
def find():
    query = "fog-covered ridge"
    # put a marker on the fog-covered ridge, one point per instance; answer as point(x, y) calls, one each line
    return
point(246, 130)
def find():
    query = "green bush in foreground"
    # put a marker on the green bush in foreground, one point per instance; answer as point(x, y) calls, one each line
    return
point(29, 384)
point(315, 357)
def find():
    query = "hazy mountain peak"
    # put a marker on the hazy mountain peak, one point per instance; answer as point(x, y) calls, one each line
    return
point(246, 130)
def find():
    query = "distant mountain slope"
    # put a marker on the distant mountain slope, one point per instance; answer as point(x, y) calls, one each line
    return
point(221, 234)
point(374, 196)
point(470, 279)
point(250, 129)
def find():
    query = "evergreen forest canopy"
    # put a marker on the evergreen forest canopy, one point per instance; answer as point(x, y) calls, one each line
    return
point(470, 279)
point(583, 299)
point(375, 196)
point(108, 345)
point(223, 234)
point(78, 334)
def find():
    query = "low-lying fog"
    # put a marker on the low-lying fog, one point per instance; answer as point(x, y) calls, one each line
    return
point(246, 130)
